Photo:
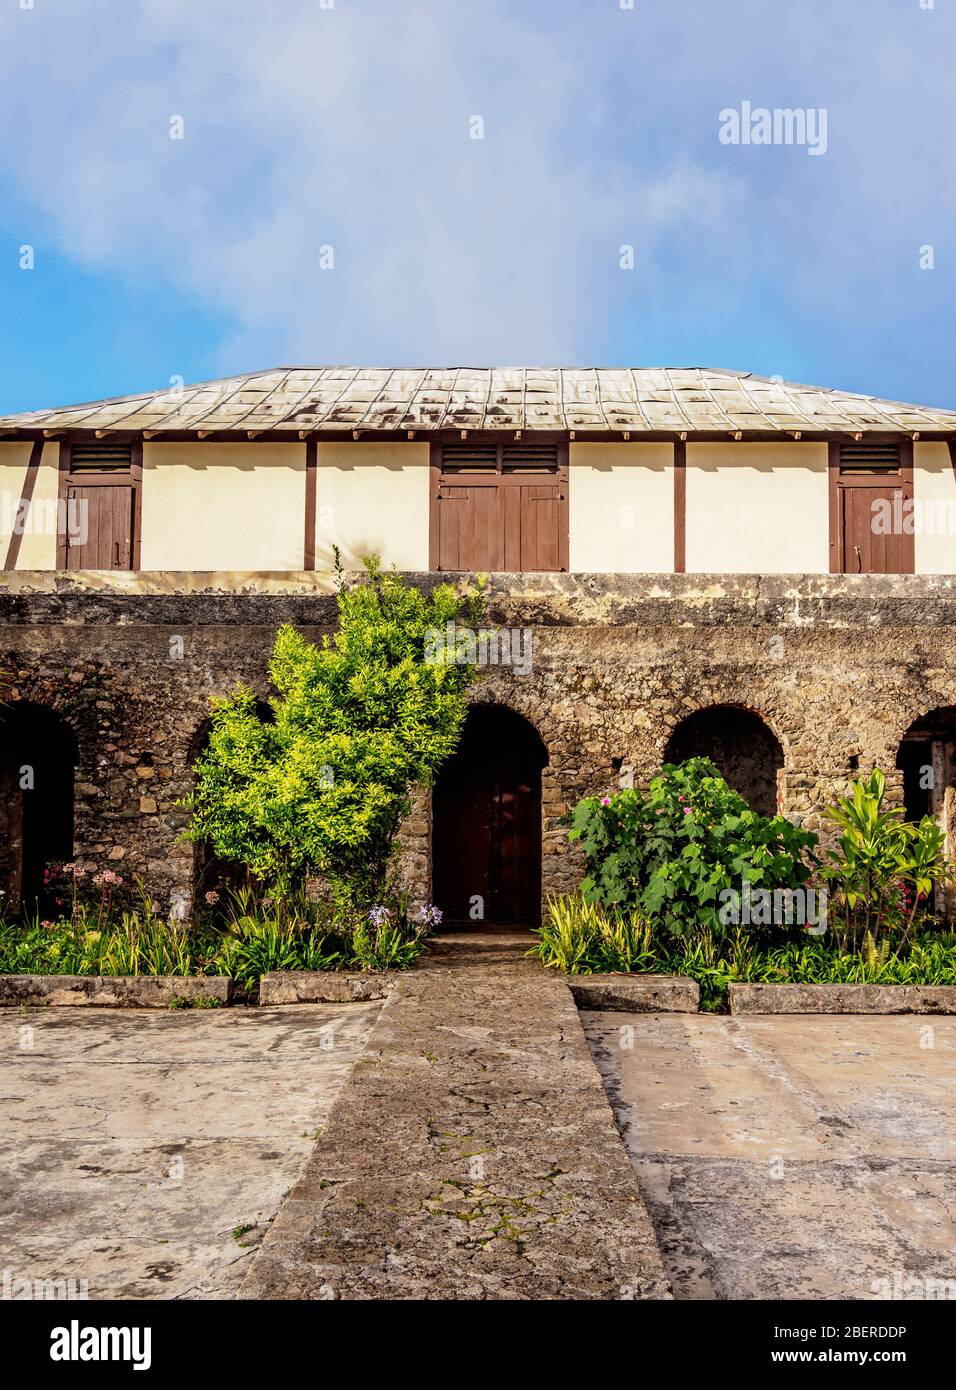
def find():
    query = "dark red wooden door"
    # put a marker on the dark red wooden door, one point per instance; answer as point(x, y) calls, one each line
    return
point(487, 823)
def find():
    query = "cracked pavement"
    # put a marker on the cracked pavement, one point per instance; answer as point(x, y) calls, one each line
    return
point(472, 1154)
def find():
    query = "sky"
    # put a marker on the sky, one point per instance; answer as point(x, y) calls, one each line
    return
point(199, 189)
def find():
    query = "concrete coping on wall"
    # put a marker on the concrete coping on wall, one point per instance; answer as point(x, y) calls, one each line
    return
point(831, 601)
point(636, 994)
point(115, 991)
point(324, 987)
point(842, 999)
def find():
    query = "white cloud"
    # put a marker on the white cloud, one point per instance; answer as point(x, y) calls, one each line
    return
point(348, 126)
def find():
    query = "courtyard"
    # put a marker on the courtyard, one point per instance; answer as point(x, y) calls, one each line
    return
point(472, 1150)
point(144, 1151)
point(790, 1157)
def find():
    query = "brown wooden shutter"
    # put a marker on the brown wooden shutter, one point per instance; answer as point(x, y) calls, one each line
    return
point(499, 507)
point(100, 484)
point(861, 474)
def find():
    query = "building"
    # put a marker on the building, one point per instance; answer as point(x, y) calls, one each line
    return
point(702, 561)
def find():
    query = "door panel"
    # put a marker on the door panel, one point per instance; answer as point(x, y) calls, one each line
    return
point(487, 822)
point(468, 521)
point(866, 551)
point(106, 514)
point(505, 508)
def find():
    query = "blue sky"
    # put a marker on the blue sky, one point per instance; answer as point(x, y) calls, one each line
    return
point(307, 127)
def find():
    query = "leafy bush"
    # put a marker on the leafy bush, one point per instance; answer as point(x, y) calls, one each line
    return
point(883, 876)
point(358, 720)
point(670, 852)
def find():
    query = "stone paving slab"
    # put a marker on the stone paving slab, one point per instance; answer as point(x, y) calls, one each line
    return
point(133, 1143)
point(114, 991)
point(472, 1154)
point(636, 994)
point(791, 1157)
point(323, 987)
point(842, 999)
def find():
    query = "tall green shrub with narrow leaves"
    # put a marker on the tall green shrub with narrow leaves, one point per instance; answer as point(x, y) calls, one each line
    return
point(359, 720)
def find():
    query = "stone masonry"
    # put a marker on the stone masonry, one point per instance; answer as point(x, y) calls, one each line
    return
point(838, 667)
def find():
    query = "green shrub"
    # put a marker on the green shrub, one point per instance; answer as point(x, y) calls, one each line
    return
point(581, 938)
point(670, 852)
point(359, 719)
point(883, 875)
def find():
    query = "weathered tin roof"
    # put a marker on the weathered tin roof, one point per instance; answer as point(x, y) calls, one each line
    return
point(592, 400)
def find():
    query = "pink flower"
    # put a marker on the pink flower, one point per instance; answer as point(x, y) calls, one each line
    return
point(212, 897)
point(687, 810)
point(107, 879)
point(605, 801)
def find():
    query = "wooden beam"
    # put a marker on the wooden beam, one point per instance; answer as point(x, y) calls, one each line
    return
point(311, 489)
point(680, 507)
point(835, 504)
point(23, 507)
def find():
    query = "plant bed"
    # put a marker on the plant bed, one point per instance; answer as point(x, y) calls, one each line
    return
point(636, 994)
point(841, 999)
point(323, 986)
point(118, 991)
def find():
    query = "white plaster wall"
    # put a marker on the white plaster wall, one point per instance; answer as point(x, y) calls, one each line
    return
point(757, 508)
point(934, 492)
point(372, 498)
point(38, 545)
point(621, 508)
point(213, 506)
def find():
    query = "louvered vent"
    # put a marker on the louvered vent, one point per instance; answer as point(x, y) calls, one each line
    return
point(529, 458)
point(100, 457)
point(469, 458)
point(510, 458)
point(869, 458)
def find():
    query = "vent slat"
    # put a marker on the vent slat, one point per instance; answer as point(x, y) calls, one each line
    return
point(100, 456)
point(514, 458)
point(469, 458)
point(869, 457)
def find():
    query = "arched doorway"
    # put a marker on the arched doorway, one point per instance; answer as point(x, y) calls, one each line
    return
point(927, 760)
point(38, 756)
point(486, 837)
point(744, 748)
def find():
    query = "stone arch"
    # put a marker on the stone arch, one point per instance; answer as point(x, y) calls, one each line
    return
point(926, 757)
point(487, 821)
point(38, 758)
point(743, 745)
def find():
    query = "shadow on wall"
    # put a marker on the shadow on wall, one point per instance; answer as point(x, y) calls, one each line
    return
point(741, 744)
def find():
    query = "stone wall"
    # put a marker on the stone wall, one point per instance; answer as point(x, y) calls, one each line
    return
point(838, 667)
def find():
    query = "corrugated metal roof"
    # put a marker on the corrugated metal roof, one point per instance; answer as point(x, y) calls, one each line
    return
point(643, 400)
